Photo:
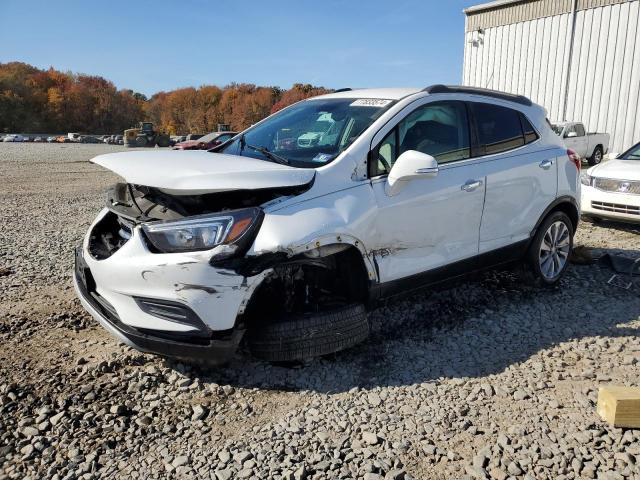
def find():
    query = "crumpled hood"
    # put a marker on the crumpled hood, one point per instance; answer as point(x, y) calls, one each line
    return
point(192, 172)
point(619, 169)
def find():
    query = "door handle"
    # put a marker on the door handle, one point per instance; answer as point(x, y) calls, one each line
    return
point(471, 185)
point(546, 164)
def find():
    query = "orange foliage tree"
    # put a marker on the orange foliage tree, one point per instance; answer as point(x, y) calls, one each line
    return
point(34, 100)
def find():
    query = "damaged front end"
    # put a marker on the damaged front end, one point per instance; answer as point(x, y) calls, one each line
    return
point(224, 222)
point(146, 271)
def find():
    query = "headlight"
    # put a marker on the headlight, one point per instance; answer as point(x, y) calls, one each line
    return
point(585, 179)
point(201, 232)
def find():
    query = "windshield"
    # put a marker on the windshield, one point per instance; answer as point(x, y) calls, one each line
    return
point(311, 133)
point(633, 154)
point(558, 129)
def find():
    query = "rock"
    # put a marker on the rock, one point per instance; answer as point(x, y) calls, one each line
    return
point(118, 410)
point(370, 438)
point(144, 421)
point(225, 474)
point(180, 461)
point(198, 413)
point(514, 469)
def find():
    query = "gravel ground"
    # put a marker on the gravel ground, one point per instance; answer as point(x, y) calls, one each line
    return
point(487, 379)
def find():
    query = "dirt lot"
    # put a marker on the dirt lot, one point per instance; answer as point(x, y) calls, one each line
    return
point(488, 379)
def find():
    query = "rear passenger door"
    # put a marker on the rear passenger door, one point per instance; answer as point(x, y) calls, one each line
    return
point(521, 175)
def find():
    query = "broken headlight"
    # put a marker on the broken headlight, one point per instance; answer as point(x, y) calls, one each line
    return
point(201, 232)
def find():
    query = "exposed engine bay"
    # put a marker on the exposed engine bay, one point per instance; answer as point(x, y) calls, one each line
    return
point(131, 204)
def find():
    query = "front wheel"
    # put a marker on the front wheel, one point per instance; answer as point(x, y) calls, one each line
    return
point(548, 254)
point(597, 156)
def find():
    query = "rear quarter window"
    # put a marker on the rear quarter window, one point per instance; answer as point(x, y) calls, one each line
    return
point(499, 128)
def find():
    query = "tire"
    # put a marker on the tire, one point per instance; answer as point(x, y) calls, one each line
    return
point(141, 141)
point(313, 335)
point(597, 156)
point(162, 141)
point(541, 271)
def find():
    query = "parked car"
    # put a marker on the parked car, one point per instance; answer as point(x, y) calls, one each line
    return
point(89, 139)
point(51, 139)
point(38, 139)
point(206, 142)
point(612, 189)
point(288, 248)
point(13, 138)
point(194, 136)
point(592, 146)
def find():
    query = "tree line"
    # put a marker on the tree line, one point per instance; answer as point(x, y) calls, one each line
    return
point(47, 101)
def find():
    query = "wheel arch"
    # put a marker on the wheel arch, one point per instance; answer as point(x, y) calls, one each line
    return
point(565, 204)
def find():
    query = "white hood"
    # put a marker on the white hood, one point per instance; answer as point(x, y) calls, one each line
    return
point(617, 169)
point(195, 172)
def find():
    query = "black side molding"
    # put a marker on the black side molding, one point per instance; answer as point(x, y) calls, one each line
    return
point(522, 100)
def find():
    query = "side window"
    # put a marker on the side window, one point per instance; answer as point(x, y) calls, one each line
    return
point(499, 128)
point(386, 153)
point(569, 129)
point(530, 134)
point(580, 129)
point(440, 129)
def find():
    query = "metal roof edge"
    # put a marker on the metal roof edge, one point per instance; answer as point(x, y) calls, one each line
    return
point(490, 5)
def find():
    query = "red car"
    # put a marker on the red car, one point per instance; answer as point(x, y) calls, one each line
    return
point(210, 140)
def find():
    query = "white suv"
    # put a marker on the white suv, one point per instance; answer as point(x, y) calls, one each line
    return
point(285, 246)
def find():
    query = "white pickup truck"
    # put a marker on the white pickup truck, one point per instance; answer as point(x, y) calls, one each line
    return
point(591, 146)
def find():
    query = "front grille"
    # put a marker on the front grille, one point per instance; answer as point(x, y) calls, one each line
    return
point(618, 186)
point(616, 208)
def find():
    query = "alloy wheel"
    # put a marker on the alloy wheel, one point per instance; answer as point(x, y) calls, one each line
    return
point(554, 250)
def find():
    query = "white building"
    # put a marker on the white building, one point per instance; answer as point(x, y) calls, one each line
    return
point(580, 59)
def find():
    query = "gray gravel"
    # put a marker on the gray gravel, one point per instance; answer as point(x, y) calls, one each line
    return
point(486, 379)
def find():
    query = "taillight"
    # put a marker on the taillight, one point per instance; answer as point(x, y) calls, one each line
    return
point(575, 158)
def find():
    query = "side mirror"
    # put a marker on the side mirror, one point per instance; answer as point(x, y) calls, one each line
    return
point(409, 166)
point(571, 135)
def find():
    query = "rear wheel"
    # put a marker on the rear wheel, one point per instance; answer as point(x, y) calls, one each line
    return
point(163, 141)
point(141, 141)
point(596, 158)
point(548, 254)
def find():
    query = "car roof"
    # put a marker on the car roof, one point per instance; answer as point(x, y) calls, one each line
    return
point(386, 93)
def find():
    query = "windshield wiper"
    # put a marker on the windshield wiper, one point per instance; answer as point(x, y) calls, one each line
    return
point(270, 155)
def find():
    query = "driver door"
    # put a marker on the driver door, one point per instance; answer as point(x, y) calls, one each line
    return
point(432, 224)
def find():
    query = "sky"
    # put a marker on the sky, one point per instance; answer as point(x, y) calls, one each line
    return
point(150, 46)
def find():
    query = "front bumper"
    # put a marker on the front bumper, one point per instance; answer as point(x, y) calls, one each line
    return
point(612, 205)
point(114, 291)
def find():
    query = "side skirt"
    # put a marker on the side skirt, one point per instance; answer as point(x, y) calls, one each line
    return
point(460, 269)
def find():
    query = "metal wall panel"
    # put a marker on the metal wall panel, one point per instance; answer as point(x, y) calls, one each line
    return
point(531, 58)
point(526, 10)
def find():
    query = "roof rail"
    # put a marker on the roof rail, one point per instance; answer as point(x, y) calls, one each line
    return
point(522, 100)
point(347, 89)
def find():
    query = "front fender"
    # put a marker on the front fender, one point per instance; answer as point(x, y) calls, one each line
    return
point(344, 217)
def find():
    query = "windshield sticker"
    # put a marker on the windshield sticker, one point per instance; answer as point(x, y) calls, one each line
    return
point(370, 102)
point(322, 157)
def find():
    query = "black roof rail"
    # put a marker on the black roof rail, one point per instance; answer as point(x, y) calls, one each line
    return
point(347, 89)
point(521, 99)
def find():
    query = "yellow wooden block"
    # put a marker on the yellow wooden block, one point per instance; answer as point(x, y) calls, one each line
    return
point(620, 406)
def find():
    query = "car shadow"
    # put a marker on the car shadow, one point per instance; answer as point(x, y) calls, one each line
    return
point(473, 329)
